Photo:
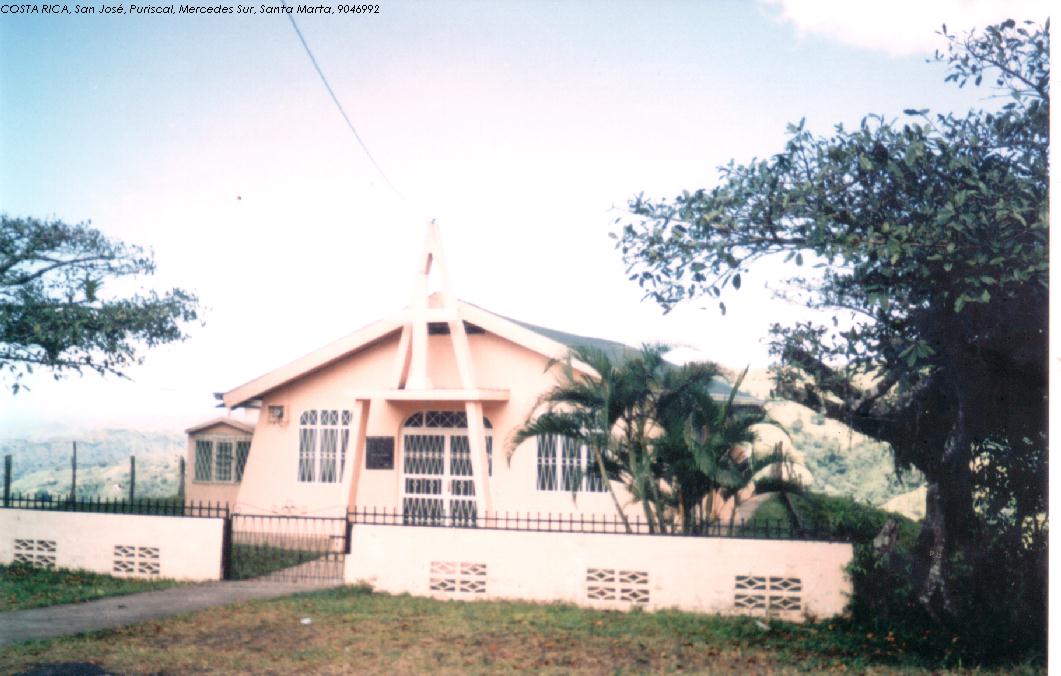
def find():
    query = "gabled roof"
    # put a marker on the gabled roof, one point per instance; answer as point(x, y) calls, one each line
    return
point(414, 323)
point(615, 350)
point(547, 342)
point(235, 424)
point(719, 387)
point(317, 359)
point(515, 332)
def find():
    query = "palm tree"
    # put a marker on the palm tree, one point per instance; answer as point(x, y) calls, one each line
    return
point(699, 449)
point(654, 427)
point(587, 410)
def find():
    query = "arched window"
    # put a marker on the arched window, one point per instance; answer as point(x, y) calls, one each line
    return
point(323, 437)
point(442, 420)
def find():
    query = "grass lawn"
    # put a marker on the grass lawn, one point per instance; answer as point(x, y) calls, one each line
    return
point(250, 560)
point(352, 630)
point(24, 586)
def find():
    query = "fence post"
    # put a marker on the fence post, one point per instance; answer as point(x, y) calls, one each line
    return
point(7, 480)
point(73, 474)
point(132, 477)
point(226, 546)
point(349, 532)
point(180, 485)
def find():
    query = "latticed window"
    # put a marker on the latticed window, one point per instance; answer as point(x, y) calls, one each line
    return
point(594, 482)
point(424, 453)
point(547, 463)
point(570, 464)
point(224, 461)
point(344, 441)
point(243, 449)
point(578, 471)
point(204, 460)
point(424, 464)
point(307, 446)
point(442, 420)
point(461, 456)
point(221, 458)
point(323, 437)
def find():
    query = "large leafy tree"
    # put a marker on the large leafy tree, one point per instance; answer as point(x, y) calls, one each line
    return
point(928, 241)
point(55, 312)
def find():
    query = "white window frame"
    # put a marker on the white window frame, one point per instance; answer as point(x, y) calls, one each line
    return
point(212, 443)
point(323, 440)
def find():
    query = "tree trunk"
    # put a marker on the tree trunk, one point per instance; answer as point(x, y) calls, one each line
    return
point(948, 517)
point(794, 520)
point(607, 482)
point(647, 509)
point(659, 505)
point(682, 515)
point(934, 545)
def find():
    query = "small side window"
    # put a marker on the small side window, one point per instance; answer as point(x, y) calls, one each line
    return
point(204, 460)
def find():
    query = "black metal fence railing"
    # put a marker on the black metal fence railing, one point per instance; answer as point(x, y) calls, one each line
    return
point(773, 529)
point(145, 506)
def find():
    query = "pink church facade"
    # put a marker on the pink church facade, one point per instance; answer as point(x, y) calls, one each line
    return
point(415, 412)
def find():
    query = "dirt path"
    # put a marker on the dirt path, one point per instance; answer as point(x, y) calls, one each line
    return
point(118, 611)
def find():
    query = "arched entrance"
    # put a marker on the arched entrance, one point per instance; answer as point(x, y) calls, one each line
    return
point(438, 485)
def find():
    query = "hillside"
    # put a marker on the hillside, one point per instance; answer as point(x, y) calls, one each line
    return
point(841, 461)
point(41, 463)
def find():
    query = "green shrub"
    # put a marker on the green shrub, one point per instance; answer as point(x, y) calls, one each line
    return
point(849, 519)
point(999, 592)
point(999, 615)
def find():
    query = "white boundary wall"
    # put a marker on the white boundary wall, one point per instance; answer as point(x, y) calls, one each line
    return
point(789, 579)
point(128, 545)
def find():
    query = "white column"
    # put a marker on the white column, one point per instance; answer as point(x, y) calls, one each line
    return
point(477, 449)
point(401, 362)
point(355, 453)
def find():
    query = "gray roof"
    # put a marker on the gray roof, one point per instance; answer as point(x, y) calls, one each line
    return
point(719, 388)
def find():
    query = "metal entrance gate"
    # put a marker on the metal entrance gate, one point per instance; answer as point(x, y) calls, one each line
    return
point(286, 548)
point(437, 482)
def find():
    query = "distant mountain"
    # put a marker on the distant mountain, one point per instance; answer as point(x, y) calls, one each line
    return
point(841, 461)
point(41, 463)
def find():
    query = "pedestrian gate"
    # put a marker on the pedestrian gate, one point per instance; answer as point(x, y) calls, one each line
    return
point(274, 548)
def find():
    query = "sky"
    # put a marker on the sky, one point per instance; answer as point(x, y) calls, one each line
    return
point(522, 128)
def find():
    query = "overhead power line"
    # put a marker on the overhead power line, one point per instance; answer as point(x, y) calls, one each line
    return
point(342, 111)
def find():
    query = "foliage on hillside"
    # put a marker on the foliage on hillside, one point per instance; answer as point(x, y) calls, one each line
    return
point(844, 517)
point(842, 461)
point(43, 464)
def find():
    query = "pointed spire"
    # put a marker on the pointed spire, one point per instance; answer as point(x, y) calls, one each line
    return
point(411, 364)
